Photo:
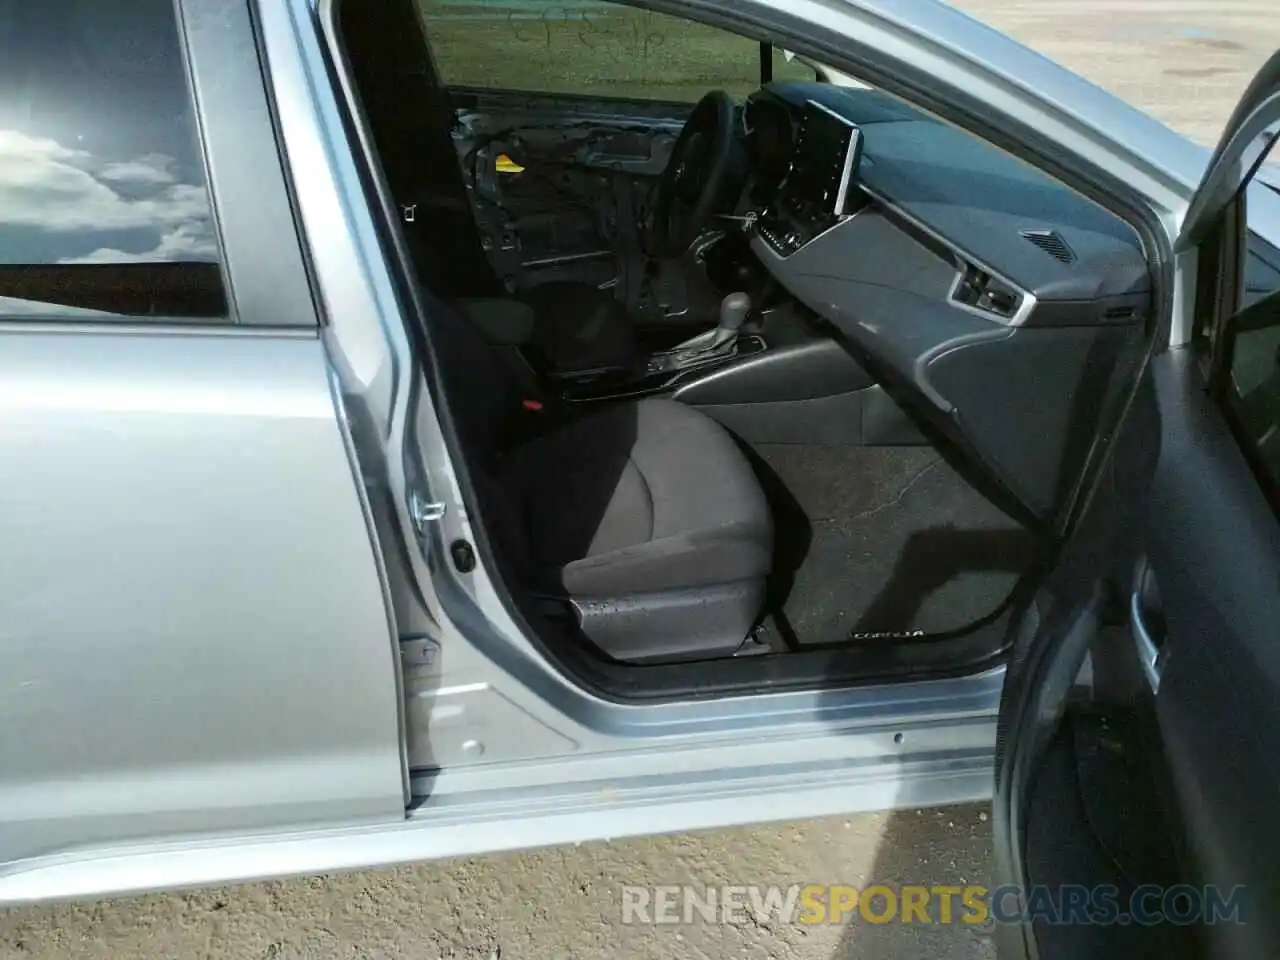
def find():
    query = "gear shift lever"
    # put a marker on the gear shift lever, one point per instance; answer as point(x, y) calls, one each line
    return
point(733, 314)
point(713, 344)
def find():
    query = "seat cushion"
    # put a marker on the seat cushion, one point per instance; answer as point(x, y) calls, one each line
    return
point(502, 322)
point(638, 499)
point(581, 329)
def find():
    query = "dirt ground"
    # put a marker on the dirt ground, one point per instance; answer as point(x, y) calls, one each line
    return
point(1186, 61)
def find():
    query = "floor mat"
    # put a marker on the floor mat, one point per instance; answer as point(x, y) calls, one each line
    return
point(881, 540)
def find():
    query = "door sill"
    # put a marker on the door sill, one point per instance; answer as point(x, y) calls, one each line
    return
point(872, 663)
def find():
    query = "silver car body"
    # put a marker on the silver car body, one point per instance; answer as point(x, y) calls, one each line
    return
point(227, 647)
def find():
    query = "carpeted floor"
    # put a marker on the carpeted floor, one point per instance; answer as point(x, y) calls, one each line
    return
point(881, 540)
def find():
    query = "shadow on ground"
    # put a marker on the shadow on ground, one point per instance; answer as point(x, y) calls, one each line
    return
point(943, 846)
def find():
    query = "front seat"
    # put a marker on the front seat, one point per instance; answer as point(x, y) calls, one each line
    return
point(573, 328)
point(580, 329)
point(645, 520)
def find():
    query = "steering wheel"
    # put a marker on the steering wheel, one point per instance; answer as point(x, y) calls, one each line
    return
point(694, 180)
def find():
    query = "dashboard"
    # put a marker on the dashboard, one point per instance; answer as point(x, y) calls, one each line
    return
point(991, 298)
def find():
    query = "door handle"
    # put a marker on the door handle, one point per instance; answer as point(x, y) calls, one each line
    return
point(1149, 652)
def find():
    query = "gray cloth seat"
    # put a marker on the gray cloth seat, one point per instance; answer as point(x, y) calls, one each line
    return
point(574, 329)
point(649, 496)
point(581, 330)
point(644, 518)
point(650, 520)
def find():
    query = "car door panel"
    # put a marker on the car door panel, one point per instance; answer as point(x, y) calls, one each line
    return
point(1161, 722)
point(194, 635)
point(1218, 569)
point(1189, 792)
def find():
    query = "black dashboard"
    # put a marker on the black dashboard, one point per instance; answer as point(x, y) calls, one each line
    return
point(995, 299)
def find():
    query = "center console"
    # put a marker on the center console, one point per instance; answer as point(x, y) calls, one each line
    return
point(818, 190)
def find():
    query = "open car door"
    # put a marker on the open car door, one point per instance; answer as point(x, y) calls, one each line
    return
point(1137, 799)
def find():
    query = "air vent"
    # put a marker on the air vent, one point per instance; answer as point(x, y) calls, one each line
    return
point(979, 290)
point(1051, 242)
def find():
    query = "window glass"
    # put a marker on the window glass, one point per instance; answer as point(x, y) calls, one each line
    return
point(591, 48)
point(104, 209)
point(1261, 271)
point(791, 69)
point(1254, 389)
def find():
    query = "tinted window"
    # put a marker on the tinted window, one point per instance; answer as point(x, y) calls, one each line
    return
point(103, 201)
point(1261, 271)
point(1253, 392)
point(1253, 389)
point(591, 48)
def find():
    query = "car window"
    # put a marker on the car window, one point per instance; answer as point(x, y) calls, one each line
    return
point(1252, 391)
point(1246, 374)
point(1253, 387)
point(104, 209)
point(591, 48)
point(1261, 270)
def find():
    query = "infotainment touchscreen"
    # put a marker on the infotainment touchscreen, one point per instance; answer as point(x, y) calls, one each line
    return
point(820, 188)
point(828, 149)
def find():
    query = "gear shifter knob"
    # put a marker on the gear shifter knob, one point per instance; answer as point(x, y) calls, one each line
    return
point(733, 311)
point(720, 341)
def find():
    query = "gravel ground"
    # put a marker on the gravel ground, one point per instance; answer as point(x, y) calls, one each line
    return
point(557, 903)
point(1184, 60)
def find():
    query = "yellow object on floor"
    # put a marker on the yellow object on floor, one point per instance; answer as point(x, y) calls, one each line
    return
point(504, 164)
